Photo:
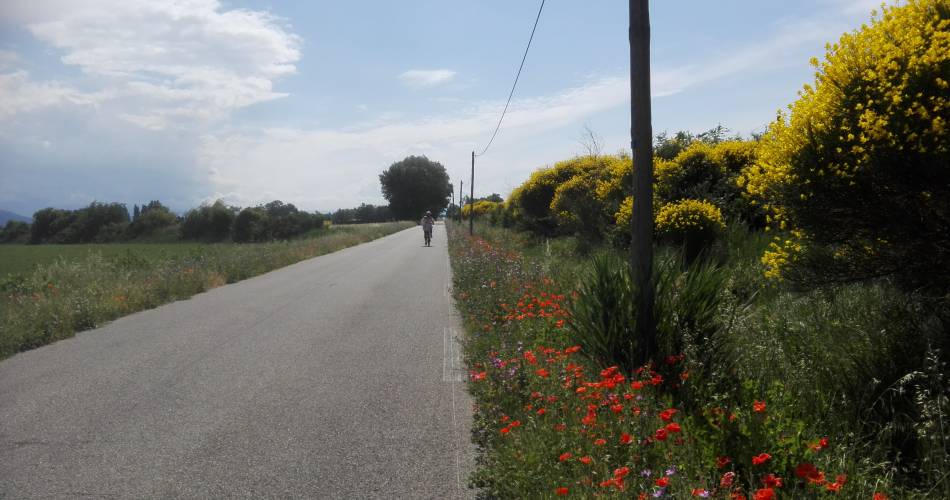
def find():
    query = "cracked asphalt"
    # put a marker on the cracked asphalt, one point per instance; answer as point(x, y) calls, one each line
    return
point(337, 377)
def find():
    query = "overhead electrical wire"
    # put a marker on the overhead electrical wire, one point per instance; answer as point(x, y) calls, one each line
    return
point(510, 94)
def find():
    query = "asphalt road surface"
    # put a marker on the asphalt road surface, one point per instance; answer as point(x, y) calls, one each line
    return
point(337, 377)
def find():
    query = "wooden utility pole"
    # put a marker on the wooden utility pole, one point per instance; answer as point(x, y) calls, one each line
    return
point(641, 143)
point(461, 190)
point(471, 199)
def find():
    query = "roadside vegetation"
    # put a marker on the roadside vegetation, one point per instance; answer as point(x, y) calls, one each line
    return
point(84, 286)
point(802, 308)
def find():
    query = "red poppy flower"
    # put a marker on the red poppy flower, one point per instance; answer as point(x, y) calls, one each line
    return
point(625, 438)
point(663, 482)
point(636, 384)
point(543, 372)
point(600, 442)
point(722, 462)
point(727, 479)
point(820, 445)
point(660, 435)
point(880, 496)
point(667, 414)
point(584, 460)
point(761, 458)
point(805, 470)
point(562, 491)
point(621, 472)
point(758, 406)
point(772, 481)
point(564, 456)
point(764, 494)
point(479, 376)
point(673, 427)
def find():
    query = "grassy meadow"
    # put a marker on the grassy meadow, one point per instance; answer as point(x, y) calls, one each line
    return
point(50, 292)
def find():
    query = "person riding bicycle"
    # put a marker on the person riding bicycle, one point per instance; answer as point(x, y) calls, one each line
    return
point(427, 223)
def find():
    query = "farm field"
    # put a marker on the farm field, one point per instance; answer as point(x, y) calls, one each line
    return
point(22, 259)
point(50, 292)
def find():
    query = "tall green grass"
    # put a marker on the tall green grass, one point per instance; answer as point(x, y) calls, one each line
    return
point(87, 287)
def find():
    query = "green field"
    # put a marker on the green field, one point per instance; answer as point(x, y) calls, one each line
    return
point(22, 259)
point(49, 292)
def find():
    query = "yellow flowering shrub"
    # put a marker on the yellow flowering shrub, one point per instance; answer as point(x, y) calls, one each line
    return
point(540, 207)
point(481, 208)
point(709, 172)
point(624, 213)
point(693, 223)
point(691, 174)
point(859, 167)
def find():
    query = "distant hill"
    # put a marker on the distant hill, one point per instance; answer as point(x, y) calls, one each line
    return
point(7, 215)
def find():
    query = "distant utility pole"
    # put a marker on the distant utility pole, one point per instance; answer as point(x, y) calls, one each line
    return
point(471, 200)
point(461, 190)
point(641, 142)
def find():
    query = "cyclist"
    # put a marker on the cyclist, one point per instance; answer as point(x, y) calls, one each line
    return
point(427, 223)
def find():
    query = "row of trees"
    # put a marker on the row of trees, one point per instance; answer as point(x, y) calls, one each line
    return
point(111, 222)
point(412, 186)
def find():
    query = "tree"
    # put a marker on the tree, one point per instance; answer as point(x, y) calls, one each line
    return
point(208, 222)
point(149, 218)
point(14, 232)
point(250, 225)
point(858, 172)
point(414, 185)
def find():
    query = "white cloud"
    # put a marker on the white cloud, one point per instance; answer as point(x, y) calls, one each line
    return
point(167, 61)
point(19, 94)
point(427, 77)
point(8, 59)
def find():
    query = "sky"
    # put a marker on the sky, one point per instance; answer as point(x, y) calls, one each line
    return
point(189, 101)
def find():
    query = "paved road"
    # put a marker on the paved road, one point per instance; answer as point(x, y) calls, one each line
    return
point(331, 378)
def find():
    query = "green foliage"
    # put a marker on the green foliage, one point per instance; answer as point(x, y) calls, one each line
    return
point(15, 232)
point(250, 225)
point(414, 185)
point(208, 222)
point(150, 218)
point(363, 214)
point(857, 171)
point(52, 225)
point(667, 148)
point(603, 315)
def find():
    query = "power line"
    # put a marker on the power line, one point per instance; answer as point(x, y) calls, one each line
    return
point(516, 80)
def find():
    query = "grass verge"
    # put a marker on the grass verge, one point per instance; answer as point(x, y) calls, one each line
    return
point(773, 394)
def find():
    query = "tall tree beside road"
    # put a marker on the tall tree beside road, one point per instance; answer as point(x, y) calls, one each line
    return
point(414, 185)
